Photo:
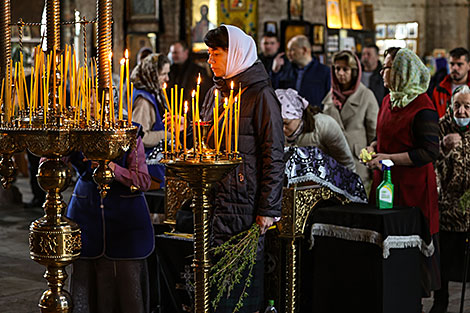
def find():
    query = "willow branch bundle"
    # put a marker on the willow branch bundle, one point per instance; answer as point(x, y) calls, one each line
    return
point(237, 255)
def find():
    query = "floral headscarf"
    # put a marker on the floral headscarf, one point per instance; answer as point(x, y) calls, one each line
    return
point(293, 105)
point(409, 78)
point(145, 75)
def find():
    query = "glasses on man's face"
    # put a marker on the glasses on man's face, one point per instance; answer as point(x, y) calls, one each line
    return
point(383, 69)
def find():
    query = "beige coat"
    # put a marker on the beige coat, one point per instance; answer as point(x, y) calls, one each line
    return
point(329, 138)
point(358, 120)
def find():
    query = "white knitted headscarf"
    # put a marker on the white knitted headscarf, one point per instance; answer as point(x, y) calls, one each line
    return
point(241, 51)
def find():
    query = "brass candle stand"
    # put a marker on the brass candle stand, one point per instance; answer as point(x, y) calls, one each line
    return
point(201, 170)
point(53, 130)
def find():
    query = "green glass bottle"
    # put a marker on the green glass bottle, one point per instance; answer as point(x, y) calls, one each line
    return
point(384, 193)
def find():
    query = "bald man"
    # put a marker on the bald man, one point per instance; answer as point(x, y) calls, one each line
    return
point(301, 72)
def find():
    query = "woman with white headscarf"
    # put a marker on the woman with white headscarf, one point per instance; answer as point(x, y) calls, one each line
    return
point(252, 192)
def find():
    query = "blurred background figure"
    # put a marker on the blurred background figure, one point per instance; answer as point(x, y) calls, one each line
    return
point(453, 168)
point(143, 53)
point(371, 68)
point(441, 71)
point(269, 49)
point(184, 72)
point(304, 126)
point(149, 106)
point(301, 72)
point(459, 66)
point(354, 107)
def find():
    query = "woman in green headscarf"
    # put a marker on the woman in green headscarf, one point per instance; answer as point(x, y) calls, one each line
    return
point(408, 134)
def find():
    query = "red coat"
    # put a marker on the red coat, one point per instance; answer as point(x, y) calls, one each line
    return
point(414, 186)
point(442, 93)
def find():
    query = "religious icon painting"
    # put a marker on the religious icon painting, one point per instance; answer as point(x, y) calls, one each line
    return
point(412, 45)
point(143, 10)
point(318, 34)
point(296, 9)
point(412, 29)
point(333, 14)
point(380, 30)
point(270, 27)
point(401, 32)
point(204, 18)
point(391, 30)
point(346, 13)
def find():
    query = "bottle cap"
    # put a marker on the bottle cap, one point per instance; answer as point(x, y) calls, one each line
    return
point(271, 302)
point(386, 164)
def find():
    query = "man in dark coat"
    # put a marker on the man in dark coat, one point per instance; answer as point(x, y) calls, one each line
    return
point(184, 72)
point(371, 68)
point(252, 192)
point(301, 72)
point(269, 49)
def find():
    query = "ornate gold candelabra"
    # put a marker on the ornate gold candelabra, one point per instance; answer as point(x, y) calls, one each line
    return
point(201, 170)
point(53, 131)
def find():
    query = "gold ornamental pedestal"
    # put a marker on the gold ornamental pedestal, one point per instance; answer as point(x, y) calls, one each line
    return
point(201, 175)
point(298, 203)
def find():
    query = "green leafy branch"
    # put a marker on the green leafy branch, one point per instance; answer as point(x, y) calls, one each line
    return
point(464, 201)
point(237, 255)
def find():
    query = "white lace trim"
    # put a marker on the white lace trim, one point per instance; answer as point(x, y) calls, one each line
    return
point(401, 242)
point(370, 236)
point(311, 177)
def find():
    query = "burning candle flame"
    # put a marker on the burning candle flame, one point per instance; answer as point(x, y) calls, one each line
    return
point(199, 79)
point(164, 85)
point(193, 94)
point(123, 61)
point(231, 85)
point(126, 54)
point(186, 107)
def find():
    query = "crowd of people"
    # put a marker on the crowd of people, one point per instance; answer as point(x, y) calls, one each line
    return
point(289, 98)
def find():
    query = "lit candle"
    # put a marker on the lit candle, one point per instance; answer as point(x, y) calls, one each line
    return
point(178, 120)
point(54, 77)
point(216, 121)
point(176, 103)
point(184, 127)
point(239, 96)
point(121, 77)
point(103, 112)
point(237, 116)
point(197, 95)
point(223, 125)
point(166, 131)
point(111, 100)
point(230, 99)
point(129, 104)
point(1, 96)
point(31, 107)
point(194, 121)
point(227, 116)
point(172, 108)
point(230, 110)
point(199, 135)
point(165, 94)
point(132, 101)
